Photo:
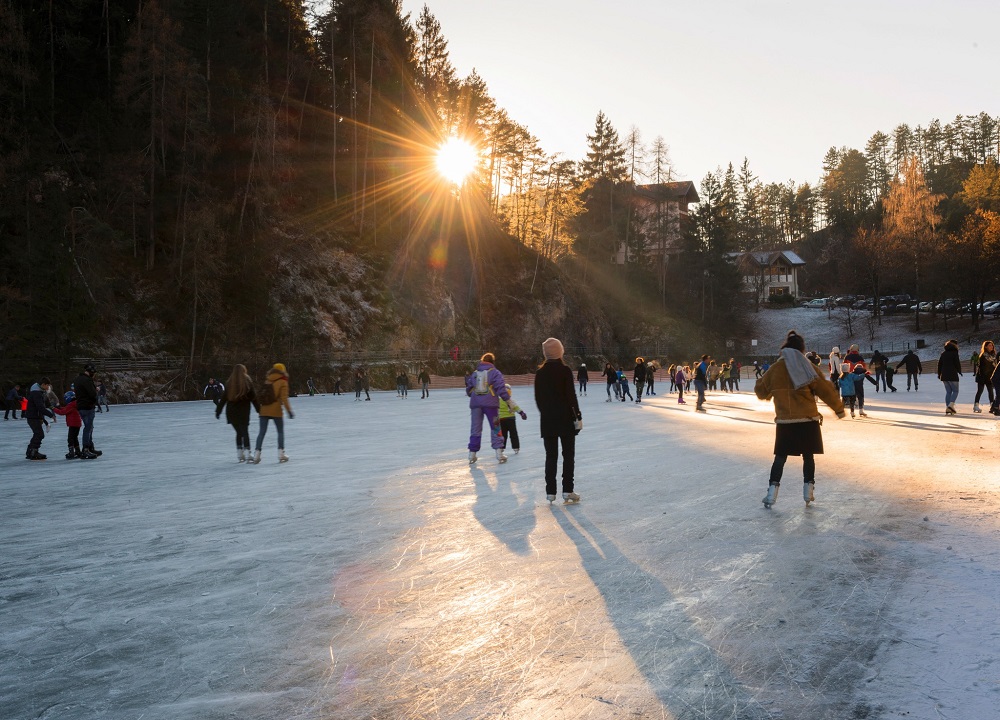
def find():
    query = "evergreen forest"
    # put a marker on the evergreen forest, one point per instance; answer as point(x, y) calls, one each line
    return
point(254, 180)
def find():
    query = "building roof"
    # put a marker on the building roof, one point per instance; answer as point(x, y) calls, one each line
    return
point(765, 258)
point(682, 190)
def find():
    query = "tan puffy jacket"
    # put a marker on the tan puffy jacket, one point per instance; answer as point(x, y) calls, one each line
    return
point(280, 384)
point(791, 405)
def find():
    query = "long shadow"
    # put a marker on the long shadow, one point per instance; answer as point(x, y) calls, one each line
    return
point(688, 677)
point(499, 510)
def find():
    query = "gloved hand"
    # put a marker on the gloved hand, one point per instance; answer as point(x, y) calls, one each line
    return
point(524, 415)
point(577, 426)
point(291, 415)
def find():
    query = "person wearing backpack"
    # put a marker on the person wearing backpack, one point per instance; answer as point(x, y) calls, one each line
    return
point(273, 397)
point(485, 386)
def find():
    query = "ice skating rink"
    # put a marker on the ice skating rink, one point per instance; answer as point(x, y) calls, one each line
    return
point(377, 576)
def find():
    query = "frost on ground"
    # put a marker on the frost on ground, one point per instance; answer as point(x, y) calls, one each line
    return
point(377, 575)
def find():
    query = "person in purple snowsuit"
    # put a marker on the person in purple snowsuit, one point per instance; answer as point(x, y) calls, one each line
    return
point(485, 387)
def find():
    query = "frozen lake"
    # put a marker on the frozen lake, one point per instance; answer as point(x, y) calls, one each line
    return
point(377, 575)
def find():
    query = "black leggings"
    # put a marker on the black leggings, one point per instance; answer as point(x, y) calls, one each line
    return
point(242, 435)
point(568, 440)
point(980, 386)
point(808, 469)
point(508, 426)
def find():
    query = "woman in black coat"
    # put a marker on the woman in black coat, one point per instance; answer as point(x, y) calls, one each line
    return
point(560, 417)
point(236, 400)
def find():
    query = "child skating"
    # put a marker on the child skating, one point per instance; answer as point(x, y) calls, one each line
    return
point(73, 424)
point(848, 391)
point(508, 423)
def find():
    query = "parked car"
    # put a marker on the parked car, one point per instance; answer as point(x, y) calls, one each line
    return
point(817, 303)
point(862, 304)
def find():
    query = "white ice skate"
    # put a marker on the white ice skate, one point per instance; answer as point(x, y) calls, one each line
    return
point(551, 498)
point(570, 498)
point(472, 458)
point(281, 456)
point(256, 457)
point(808, 492)
point(976, 408)
point(772, 496)
point(501, 458)
point(241, 456)
point(862, 413)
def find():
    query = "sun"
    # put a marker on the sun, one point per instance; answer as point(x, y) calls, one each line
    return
point(456, 160)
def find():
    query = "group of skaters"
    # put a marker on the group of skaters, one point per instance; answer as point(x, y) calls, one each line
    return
point(270, 402)
point(643, 378)
point(78, 406)
point(797, 378)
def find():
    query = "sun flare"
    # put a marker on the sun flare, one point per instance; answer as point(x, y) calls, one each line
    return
point(456, 160)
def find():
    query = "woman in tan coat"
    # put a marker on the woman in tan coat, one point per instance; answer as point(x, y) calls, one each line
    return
point(273, 397)
point(793, 382)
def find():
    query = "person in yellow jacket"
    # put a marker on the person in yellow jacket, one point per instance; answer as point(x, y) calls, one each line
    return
point(508, 423)
point(273, 396)
point(794, 383)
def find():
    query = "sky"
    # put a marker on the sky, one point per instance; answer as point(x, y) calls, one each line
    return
point(777, 82)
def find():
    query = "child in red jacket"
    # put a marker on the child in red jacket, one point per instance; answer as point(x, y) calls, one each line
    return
point(73, 424)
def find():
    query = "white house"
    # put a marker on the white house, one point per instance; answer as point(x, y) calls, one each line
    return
point(767, 273)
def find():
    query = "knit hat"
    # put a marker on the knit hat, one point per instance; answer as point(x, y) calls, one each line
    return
point(835, 351)
point(280, 367)
point(552, 349)
point(794, 341)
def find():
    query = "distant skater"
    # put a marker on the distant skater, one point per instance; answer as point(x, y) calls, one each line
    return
point(424, 378)
point(913, 369)
point(560, 419)
point(612, 376)
point(985, 365)
point(35, 414)
point(582, 377)
point(949, 370)
point(793, 383)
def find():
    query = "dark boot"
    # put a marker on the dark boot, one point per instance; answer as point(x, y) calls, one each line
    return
point(96, 453)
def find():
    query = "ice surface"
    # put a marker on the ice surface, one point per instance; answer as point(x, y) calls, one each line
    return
point(377, 575)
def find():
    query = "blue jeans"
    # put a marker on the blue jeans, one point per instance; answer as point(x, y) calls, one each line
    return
point(88, 427)
point(699, 385)
point(950, 391)
point(279, 422)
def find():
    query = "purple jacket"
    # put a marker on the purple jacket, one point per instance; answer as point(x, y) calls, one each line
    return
point(494, 378)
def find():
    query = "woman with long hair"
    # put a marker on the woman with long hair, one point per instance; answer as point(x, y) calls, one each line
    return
point(984, 373)
point(236, 400)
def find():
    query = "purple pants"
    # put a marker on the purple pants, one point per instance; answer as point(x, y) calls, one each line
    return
point(476, 435)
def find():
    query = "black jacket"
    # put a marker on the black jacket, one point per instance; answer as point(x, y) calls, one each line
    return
point(555, 397)
point(86, 393)
point(912, 363)
point(36, 409)
point(949, 364)
point(582, 376)
point(238, 410)
point(639, 374)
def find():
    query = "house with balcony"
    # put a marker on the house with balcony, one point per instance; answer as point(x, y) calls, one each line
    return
point(767, 273)
point(660, 210)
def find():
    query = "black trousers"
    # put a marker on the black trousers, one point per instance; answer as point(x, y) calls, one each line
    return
point(73, 437)
point(242, 435)
point(508, 426)
point(568, 440)
point(37, 433)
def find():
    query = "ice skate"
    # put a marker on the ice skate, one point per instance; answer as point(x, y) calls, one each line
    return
point(33, 454)
point(551, 498)
point(862, 413)
point(241, 456)
point(852, 412)
point(699, 408)
point(808, 492)
point(570, 498)
point(517, 450)
point(93, 451)
point(976, 408)
point(501, 458)
point(256, 457)
point(472, 458)
point(85, 454)
point(281, 455)
point(772, 496)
